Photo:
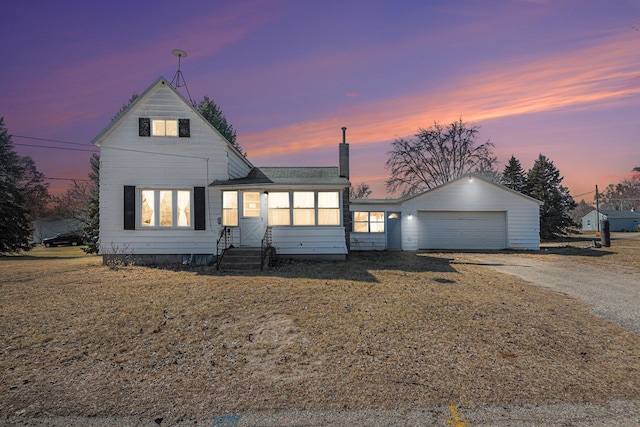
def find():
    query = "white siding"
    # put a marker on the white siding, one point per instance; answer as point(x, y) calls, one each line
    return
point(371, 241)
point(523, 224)
point(368, 241)
point(161, 162)
point(309, 240)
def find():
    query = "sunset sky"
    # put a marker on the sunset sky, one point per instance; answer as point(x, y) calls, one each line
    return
point(553, 77)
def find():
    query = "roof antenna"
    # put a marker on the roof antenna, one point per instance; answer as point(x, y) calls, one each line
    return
point(176, 82)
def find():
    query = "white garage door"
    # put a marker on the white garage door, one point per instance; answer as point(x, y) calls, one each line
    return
point(462, 230)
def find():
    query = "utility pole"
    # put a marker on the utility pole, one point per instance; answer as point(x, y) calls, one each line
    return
point(597, 208)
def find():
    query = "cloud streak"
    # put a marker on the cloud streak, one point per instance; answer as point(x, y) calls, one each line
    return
point(598, 76)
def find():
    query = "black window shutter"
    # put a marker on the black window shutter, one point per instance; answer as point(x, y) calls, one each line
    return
point(199, 208)
point(129, 207)
point(144, 126)
point(184, 128)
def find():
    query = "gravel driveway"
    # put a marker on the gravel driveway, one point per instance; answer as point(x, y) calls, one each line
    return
point(613, 293)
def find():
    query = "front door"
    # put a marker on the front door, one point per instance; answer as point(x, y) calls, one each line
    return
point(251, 221)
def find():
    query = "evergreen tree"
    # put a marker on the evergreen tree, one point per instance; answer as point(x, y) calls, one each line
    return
point(15, 218)
point(545, 184)
point(132, 98)
point(513, 176)
point(213, 114)
point(92, 226)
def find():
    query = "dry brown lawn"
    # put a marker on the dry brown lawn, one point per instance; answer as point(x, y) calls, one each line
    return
point(381, 331)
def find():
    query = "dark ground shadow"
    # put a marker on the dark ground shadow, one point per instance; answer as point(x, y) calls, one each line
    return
point(358, 267)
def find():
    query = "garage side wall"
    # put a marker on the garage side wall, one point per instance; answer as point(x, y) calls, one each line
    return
point(476, 195)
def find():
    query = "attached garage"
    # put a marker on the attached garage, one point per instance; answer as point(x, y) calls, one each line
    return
point(462, 230)
point(466, 213)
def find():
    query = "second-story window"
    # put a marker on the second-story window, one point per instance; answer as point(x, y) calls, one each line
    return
point(164, 127)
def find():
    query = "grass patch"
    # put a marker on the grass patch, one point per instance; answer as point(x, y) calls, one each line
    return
point(381, 331)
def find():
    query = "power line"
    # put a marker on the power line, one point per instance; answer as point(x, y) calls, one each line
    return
point(584, 194)
point(66, 179)
point(55, 148)
point(52, 140)
point(96, 149)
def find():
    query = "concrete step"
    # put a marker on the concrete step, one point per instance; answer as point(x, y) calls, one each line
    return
point(241, 259)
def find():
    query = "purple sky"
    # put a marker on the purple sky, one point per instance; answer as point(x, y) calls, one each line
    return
point(560, 77)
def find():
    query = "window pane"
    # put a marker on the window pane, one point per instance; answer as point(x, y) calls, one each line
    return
point(230, 217)
point(304, 216)
point(279, 216)
point(329, 199)
point(184, 208)
point(158, 128)
point(361, 216)
point(230, 199)
point(376, 216)
point(303, 199)
point(377, 227)
point(230, 208)
point(148, 206)
point(278, 200)
point(251, 205)
point(171, 127)
point(166, 208)
point(328, 216)
point(360, 227)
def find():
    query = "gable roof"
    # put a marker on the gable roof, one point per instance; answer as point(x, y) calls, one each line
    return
point(289, 176)
point(466, 176)
point(160, 81)
point(617, 214)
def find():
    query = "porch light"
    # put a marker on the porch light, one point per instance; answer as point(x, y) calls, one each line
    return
point(410, 216)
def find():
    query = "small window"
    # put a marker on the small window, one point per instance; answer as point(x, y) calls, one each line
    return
point(278, 205)
point(164, 127)
point(230, 208)
point(368, 222)
point(251, 204)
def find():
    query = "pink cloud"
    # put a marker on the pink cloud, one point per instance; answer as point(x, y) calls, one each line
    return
point(598, 76)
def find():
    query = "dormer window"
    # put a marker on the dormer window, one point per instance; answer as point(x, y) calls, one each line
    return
point(164, 127)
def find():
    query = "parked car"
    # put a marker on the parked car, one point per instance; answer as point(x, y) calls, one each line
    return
point(63, 239)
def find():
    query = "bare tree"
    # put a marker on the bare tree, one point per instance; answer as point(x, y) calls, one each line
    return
point(362, 191)
point(72, 204)
point(436, 156)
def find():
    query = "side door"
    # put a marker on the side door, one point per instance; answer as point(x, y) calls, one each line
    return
point(252, 223)
point(394, 231)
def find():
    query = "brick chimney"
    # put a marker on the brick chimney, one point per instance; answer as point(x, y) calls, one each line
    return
point(344, 173)
point(344, 155)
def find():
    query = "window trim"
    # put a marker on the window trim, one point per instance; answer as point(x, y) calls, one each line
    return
point(236, 209)
point(368, 221)
point(174, 209)
point(291, 209)
point(182, 126)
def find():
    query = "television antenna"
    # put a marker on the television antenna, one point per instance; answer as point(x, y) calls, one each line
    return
point(178, 80)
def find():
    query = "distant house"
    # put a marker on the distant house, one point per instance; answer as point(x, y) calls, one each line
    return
point(618, 220)
point(173, 189)
point(467, 213)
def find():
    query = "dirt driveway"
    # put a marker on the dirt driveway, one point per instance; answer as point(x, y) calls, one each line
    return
point(613, 291)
